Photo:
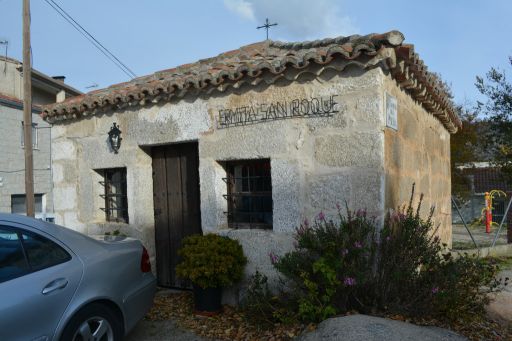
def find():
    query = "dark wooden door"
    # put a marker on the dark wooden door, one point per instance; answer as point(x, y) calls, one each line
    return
point(176, 201)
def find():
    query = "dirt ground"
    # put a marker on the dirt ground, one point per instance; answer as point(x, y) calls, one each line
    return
point(161, 330)
point(462, 240)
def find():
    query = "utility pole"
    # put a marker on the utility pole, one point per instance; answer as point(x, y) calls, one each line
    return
point(27, 111)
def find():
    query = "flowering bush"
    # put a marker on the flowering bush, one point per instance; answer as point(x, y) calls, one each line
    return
point(408, 247)
point(331, 264)
point(460, 288)
point(344, 266)
point(414, 277)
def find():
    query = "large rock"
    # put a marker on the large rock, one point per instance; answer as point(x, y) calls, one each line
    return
point(369, 328)
point(500, 309)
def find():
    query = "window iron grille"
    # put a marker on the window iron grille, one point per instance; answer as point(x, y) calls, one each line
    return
point(249, 194)
point(115, 196)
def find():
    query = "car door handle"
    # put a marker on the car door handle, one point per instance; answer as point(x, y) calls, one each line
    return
point(57, 284)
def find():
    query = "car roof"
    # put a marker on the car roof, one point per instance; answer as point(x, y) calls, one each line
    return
point(32, 222)
point(78, 242)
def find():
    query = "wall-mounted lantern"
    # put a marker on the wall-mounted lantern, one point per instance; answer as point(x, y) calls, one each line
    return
point(114, 137)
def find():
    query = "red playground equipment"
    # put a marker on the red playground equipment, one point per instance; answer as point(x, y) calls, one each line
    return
point(487, 210)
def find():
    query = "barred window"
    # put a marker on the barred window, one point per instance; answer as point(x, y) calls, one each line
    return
point(249, 194)
point(116, 200)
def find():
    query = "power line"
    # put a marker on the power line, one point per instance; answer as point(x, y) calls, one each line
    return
point(91, 39)
point(90, 35)
point(22, 170)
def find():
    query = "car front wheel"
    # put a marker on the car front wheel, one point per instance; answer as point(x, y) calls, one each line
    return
point(95, 322)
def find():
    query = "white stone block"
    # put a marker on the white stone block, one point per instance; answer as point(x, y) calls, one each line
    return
point(58, 131)
point(63, 150)
point(286, 183)
point(71, 221)
point(58, 173)
point(65, 198)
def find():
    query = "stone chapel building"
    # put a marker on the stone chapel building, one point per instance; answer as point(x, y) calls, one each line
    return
point(251, 142)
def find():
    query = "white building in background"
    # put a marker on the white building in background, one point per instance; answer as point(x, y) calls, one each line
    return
point(45, 90)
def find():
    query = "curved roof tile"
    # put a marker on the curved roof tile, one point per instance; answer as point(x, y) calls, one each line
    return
point(248, 63)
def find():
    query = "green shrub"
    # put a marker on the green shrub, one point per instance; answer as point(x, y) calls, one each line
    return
point(331, 266)
point(211, 261)
point(461, 288)
point(265, 308)
point(344, 266)
point(408, 246)
point(415, 275)
point(115, 233)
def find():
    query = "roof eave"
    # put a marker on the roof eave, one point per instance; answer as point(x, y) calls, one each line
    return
point(221, 72)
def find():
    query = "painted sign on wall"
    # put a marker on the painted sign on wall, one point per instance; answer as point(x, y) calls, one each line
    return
point(252, 114)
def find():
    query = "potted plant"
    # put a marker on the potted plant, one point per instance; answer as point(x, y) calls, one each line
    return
point(211, 262)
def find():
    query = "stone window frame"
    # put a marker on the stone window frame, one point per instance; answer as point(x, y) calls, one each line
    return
point(115, 194)
point(247, 180)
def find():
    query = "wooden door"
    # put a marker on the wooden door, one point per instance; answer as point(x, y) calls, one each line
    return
point(176, 201)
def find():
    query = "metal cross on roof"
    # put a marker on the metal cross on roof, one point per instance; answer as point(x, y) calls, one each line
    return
point(266, 26)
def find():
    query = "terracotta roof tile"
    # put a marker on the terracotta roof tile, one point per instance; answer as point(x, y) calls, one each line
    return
point(247, 63)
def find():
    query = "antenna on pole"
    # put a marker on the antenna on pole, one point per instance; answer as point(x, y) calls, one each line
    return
point(6, 43)
point(266, 26)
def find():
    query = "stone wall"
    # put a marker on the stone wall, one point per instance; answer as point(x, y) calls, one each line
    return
point(81, 150)
point(316, 162)
point(419, 152)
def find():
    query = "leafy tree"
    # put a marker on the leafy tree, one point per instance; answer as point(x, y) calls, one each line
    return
point(465, 145)
point(464, 148)
point(498, 111)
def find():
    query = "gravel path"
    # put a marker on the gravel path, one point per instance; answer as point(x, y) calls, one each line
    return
point(461, 235)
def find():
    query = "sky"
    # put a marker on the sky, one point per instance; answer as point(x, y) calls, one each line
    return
point(459, 39)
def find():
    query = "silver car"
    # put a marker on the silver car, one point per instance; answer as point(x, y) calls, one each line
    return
point(58, 284)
